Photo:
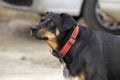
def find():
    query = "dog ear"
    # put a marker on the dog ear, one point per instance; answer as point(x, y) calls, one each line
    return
point(67, 22)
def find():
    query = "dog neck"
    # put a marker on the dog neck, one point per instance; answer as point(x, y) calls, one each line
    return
point(63, 38)
point(57, 43)
point(68, 44)
point(53, 44)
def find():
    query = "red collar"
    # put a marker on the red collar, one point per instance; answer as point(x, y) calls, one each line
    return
point(68, 45)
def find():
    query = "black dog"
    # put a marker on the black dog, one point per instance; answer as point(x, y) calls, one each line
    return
point(88, 54)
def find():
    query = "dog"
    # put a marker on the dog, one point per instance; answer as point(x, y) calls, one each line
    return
point(85, 53)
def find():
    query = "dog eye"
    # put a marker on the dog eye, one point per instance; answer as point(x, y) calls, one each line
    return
point(50, 22)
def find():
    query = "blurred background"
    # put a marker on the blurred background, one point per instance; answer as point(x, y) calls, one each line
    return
point(21, 56)
point(25, 58)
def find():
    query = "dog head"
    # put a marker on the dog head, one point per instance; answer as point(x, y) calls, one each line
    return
point(51, 25)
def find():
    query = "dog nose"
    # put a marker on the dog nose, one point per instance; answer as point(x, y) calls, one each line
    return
point(34, 29)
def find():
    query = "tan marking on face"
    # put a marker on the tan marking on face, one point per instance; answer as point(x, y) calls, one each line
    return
point(42, 32)
point(57, 32)
point(51, 38)
point(49, 19)
point(42, 17)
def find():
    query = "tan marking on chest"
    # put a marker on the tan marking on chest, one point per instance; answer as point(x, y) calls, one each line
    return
point(79, 77)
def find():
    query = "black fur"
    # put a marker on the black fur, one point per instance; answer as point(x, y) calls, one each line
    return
point(95, 53)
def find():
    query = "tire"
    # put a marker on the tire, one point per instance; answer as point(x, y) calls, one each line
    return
point(91, 19)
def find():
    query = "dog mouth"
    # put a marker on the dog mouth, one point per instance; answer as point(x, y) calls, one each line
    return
point(37, 37)
point(41, 38)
